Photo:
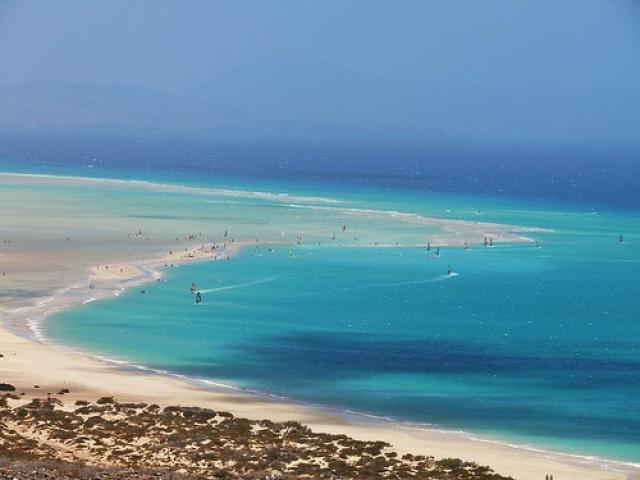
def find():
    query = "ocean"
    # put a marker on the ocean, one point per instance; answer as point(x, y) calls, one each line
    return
point(527, 343)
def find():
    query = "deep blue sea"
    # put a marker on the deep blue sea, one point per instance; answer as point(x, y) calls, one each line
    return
point(532, 344)
point(587, 175)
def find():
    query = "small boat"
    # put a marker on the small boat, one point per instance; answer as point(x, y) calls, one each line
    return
point(198, 298)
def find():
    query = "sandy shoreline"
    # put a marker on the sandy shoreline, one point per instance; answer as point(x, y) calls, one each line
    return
point(88, 377)
point(27, 362)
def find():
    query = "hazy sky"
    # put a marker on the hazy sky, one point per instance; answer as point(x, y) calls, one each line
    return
point(176, 45)
point(591, 47)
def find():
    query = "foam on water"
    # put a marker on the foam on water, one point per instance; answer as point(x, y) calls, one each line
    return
point(416, 282)
point(173, 187)
point(240, 285)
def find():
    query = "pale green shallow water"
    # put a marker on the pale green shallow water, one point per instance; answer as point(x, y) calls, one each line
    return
point(525, 344)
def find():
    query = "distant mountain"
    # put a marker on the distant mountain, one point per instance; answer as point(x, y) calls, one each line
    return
point(294, 96)
point(290, 93)
point(68, 105)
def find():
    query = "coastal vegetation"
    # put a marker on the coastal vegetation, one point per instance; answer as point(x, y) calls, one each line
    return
point(107, 439)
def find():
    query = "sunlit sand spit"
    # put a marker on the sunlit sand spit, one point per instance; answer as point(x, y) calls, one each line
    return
point(55, 228)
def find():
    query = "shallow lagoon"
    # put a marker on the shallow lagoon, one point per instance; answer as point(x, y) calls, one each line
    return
point(526, 344)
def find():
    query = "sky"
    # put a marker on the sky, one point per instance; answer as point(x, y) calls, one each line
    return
point(581, 59)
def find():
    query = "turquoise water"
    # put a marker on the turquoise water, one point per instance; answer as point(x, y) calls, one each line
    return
point(537, 345)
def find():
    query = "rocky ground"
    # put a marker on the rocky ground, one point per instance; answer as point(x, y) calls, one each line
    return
point(45, 439)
